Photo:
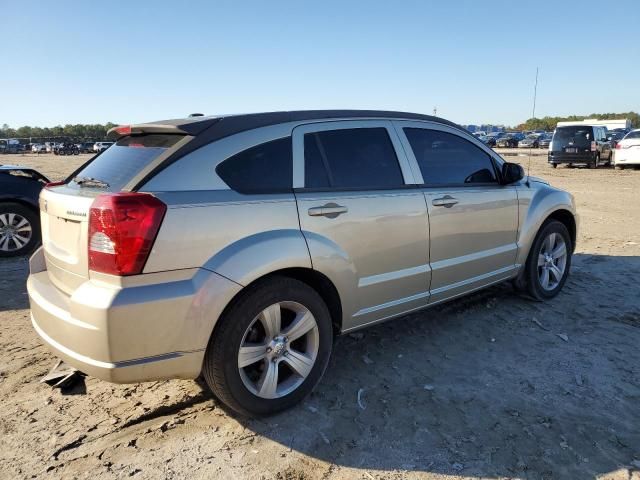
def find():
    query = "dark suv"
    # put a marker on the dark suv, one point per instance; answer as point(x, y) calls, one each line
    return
point(580, 144)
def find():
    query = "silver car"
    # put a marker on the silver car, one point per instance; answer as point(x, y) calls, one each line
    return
point(237, 247)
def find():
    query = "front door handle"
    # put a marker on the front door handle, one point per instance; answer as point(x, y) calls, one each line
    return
point(447, 201)
point(330, 210)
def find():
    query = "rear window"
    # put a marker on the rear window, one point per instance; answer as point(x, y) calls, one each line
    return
point(124, 159)
point(578, 135)
point(633, 135)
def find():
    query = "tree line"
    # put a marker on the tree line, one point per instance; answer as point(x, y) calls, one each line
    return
point(71, 132)
point(549, 123)
point(99, 132)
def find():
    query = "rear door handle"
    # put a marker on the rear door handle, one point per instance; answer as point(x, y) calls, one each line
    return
point(447, 201)
point(330, 210)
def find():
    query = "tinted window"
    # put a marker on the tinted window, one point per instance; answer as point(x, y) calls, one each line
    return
point(265, 168)
point(634, 134)
point(118, 164)
point(351, 158)
point(445, 158)
point(576, 135)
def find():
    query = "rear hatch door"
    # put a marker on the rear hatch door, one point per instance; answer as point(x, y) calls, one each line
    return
point(572, 140)
point(64, 209)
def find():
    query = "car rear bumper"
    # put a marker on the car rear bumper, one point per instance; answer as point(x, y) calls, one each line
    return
point(134, 333)
point(630, 156)
point(582, 157)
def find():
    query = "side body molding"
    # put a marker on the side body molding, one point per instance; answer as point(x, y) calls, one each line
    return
point(257, 255)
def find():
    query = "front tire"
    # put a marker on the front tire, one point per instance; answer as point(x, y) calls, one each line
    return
point(270, 348)
point(549, 261)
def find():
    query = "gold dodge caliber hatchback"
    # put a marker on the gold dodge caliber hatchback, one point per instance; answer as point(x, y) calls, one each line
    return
point(236, 247)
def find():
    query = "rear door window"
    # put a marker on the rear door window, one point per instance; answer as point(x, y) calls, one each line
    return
point(265, 168)
point(352, 158)
point(447, 159)
point(122, 161)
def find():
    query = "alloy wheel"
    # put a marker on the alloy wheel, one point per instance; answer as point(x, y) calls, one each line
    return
point(15, 232)
point(552, 261)
point(278, 350)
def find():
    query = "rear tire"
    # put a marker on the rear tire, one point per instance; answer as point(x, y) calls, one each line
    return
point(595, 163)
point(248, 324)
point(19, 229)
point(554, 165)
point(550, 240)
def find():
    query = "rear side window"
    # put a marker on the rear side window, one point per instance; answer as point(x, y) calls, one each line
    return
point(123, 160)
point(351, 158)
point(634, 134)
point(265, 168)
point(447, 159)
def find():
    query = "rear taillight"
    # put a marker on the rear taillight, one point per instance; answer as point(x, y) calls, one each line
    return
point(122, 229)
point(618, 146)
point(53, 184)
point(593, 146)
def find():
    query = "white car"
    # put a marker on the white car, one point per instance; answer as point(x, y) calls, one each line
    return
point(38, 148)
point(627, 151)
point(100, 146)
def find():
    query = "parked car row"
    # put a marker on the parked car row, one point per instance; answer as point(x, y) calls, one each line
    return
point(516, 139)
point(69, 148)
point(589, 145)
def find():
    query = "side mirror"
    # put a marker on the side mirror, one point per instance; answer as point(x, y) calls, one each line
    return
point(511, 173)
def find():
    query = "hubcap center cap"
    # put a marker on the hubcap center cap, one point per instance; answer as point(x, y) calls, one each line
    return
point(278, 347)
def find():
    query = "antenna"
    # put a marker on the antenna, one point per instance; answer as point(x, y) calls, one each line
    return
point(533, 116)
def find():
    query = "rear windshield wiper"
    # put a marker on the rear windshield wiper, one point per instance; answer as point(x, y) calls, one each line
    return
point(90, 182)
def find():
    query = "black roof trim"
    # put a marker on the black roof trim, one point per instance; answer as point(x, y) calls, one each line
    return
point(231, 124)
point(209, 129)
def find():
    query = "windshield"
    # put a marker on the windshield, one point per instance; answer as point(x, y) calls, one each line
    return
point(578, 135)
point(117, 165)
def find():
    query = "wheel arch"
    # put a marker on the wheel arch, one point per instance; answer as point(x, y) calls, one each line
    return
point(568, 220)
point(541, 204)
point(313, 278)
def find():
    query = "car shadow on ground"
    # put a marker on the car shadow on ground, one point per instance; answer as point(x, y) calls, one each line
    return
point(13, 291)
point(491, 385)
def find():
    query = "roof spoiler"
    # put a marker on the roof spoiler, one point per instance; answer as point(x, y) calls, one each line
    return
point(124, 130)
point(184, 127)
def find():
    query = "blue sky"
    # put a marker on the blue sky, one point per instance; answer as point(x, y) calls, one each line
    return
point(125, 61)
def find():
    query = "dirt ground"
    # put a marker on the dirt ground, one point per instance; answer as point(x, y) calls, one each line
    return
point(489, 386)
